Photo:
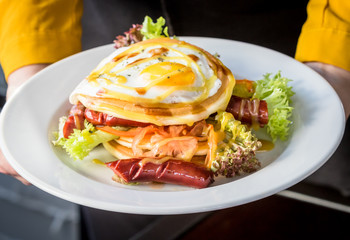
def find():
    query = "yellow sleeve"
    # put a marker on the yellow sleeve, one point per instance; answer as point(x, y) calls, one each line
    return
point(325, 36)
point(34, 31)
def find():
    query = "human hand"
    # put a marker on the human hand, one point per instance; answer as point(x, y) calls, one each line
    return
point(16, 79)
point(6, 168)
point(339, 78)
point(21, 75)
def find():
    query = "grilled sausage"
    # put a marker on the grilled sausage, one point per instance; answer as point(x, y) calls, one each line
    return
point(75, 120)
point(99, 118)
point(170, 171)
point(252, 111)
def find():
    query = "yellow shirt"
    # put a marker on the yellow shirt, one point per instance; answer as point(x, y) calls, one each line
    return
point(33, 31)
point(325, 36)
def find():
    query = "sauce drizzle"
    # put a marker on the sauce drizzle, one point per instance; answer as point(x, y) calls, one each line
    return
point(266, 145)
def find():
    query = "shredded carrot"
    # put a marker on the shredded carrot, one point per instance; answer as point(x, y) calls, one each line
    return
point(130, 133)
point(178, 141)
point(213, 139)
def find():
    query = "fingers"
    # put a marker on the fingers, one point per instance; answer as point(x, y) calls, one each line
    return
point(6, 168)
point(15, 175)
point(338, 78)
point(15, 79)
point(21, 75)
point(22, 180)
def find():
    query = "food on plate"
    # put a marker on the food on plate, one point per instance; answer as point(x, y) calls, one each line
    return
point(160, 81)
point(171, 112)
point(277, 94)
point(252, 111)
point(274, 94)
point(147, 170)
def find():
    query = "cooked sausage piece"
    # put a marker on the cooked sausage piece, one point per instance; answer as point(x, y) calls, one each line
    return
point(75, 120)
point(171, 171)
point(249, 110)
point(99, 118)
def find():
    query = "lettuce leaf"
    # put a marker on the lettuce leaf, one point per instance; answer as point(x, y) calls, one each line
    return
point(236, 152)
point(276, 92)
point(81, 142)
point(154, 30)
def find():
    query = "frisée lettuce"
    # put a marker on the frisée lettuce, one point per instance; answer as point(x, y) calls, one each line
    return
point(276, 92)
point(235, 154)
point(81, 142)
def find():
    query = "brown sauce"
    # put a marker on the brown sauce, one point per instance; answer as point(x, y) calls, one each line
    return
point(254, 113)
point(158, 51)
point(138, 60)
point(157, 185)
point(123, 55)
point(266, 145)
point(193, 57)
point(132, 55)
point(118, 57)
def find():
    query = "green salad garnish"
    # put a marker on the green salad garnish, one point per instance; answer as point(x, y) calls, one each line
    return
point(276, 92)
point(152, 29)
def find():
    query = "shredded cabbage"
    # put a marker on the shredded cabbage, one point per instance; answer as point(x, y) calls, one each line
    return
point(276, 92)
point(81, 142)
point(154, 30)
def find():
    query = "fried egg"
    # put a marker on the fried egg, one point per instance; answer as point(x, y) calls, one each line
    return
point(162, 81)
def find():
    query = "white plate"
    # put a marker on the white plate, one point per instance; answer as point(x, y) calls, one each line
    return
point(28, 119)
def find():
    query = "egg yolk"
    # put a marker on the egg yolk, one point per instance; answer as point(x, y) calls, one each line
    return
point(168, 74)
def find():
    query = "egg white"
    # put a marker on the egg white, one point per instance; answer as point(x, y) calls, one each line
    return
point(205, 81)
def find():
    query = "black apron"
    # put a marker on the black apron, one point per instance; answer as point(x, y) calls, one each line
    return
point(274, 24)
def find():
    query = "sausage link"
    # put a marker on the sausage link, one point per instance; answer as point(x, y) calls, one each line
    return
point(241, 109)
point(172, 171)
point(99, 118)
point(75, 120)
